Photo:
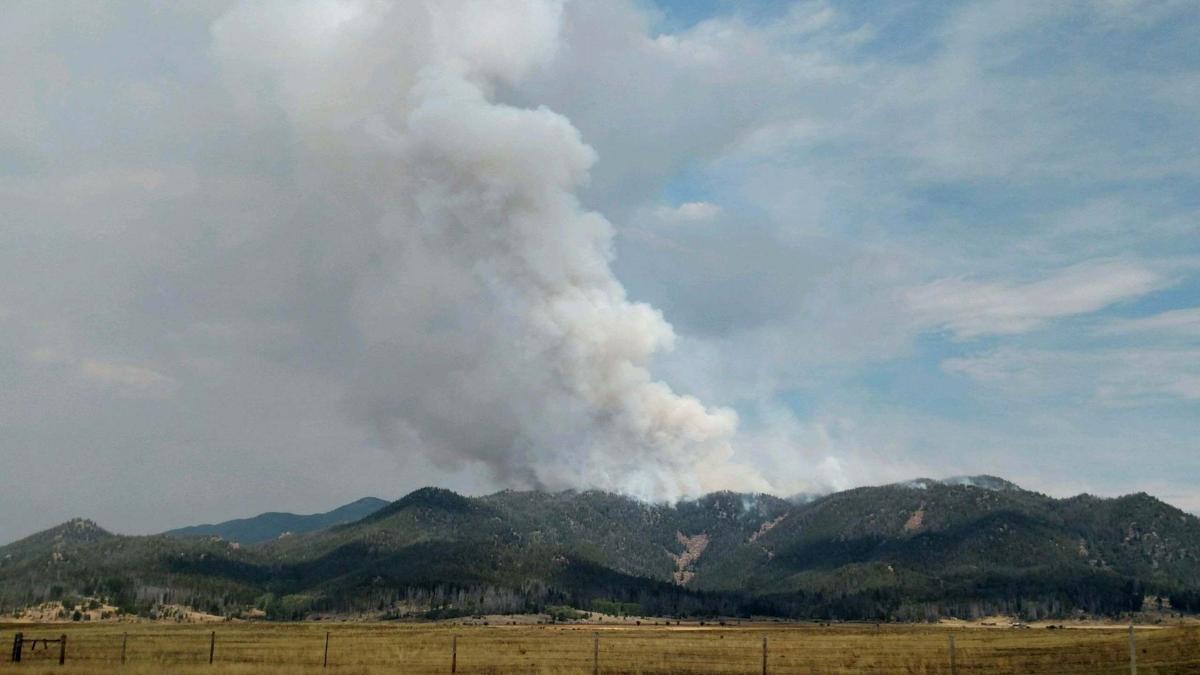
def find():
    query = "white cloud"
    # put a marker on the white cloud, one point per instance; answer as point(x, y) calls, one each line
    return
point(972, 309)
point(689, 212)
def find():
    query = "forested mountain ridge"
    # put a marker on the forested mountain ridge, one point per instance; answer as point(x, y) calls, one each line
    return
point(274, 524)
point(912, 550)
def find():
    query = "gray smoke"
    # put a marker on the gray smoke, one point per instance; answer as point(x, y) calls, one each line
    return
point(478, 320)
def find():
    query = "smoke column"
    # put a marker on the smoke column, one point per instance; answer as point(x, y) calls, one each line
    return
point(481, 322)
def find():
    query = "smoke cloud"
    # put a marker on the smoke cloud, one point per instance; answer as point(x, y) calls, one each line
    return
point(477, 319)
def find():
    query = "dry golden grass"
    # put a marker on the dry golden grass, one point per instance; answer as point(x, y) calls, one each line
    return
point(370, 648)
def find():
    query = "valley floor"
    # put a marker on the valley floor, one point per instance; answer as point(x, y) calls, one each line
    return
point(370, 648)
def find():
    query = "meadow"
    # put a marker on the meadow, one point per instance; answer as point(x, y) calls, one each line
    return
point(370, 648)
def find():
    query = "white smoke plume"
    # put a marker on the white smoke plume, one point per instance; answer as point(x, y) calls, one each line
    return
point(479, 319)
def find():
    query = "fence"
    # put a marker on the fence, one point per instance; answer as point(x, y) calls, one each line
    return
point(19, 641)
point(582, 649)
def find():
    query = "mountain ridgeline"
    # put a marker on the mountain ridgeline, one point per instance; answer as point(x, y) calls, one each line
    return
point(965, 547)
point(274, 524)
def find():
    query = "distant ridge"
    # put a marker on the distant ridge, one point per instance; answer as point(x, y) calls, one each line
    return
point(273, 524)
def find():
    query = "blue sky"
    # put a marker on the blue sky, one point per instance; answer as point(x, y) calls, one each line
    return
point(896, 239)
point(1012, 160)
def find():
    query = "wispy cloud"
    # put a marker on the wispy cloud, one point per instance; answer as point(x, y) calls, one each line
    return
point(1122, 377)
point(972, 309)
point(1177, 322)
point(685, 213)
point(126, 376)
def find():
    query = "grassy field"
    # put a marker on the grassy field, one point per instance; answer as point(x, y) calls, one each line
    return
point(369, 648)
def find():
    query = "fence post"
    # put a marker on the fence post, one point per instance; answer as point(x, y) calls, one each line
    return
point(595, 654)
point(764, 663)
point(953, 658)
point(454, 654)
point(1132, 652)
point(62, 649)
point(124, 640)
point(212, 646)
point(18, 642)
point(325, 661)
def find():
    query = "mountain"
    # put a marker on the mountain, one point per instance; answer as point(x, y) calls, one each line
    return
point(965, 547)
point(274, 524)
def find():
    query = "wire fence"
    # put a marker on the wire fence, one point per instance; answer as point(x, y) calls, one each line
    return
point(391, 648)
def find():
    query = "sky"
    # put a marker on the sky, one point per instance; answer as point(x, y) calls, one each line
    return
point(283, 255)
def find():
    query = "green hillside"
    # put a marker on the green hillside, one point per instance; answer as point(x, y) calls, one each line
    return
point(964, 547)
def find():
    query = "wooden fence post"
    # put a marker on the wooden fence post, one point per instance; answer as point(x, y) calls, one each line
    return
point(953, 658)
point(325, 661)
point(454, 654)
point(62, 649)
point(212, 646)
point(764, 663)
point(18, 643)
point(124, 640)
point(1132, 652)
point(595, 654)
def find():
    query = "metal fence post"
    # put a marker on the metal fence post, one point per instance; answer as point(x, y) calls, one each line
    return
point(325, 661)
point(764, 663)
point(212, 646)
point(595, 654)
point(454, 654)
point(124, 640)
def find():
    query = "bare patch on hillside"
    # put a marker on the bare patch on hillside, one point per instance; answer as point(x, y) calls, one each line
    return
point(766, 527)
point(692, 548)
point(915, 520)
